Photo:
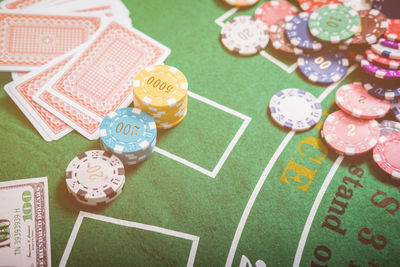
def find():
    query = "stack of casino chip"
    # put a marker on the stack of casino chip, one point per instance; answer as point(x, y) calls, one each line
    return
point(326, 37)
point(95, 177)
point(161, 91)
point(128, 133)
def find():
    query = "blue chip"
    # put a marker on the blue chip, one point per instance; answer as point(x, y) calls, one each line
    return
point(128, 130)
point(298, 34)
point(395, 106)
point(384, 92)
point(388, 7)
point(323, 67)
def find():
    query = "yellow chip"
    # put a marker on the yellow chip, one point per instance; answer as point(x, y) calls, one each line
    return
point(241, 3)
point(160, 86)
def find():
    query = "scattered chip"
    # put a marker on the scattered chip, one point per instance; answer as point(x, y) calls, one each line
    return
point(393, 31)
point(358, 4)
point(386, 154)
point(378, 72)
point(272, 11)
point(373, 26)
point(295, 109)
point(241, 3)
point(95, 176)
point(383, 62)
point(313, 5)
point(323, 67)
point(279, 39)
point(388, 7)
point(380, 90)
point(390, 44)
point(334, 23)
point(244, 35)
point(297, 33)
point(349, 135)
point(395, 106)
point(354, 100)
point(389, 127)
point(386, 51)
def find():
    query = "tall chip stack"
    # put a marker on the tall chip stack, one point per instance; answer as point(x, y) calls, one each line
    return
point(161, 91)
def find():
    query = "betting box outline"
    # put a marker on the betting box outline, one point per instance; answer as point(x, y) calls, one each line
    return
point(228, 150)
point(289, 69)
point(152, 228)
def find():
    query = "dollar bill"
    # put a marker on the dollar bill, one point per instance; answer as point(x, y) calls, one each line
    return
point(24, 223)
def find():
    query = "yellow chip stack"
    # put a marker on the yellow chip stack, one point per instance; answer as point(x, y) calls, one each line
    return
point(161, 91)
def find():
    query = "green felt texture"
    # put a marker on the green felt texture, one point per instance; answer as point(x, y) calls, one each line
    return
point(165, 193)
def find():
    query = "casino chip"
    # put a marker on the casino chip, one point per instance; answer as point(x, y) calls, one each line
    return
point(386, 51)
point(244, 35)
point(389, 127)
point(298, 34)
point(334, 23)
point(95, 177)
point(383, 62)
point(355, 100)
point(378, 72)
point(349, 135)
point(313, 5)
point(388, 7)
point(295, 109)
point(393, 31)
point(381, 90)
point(279, 40)
point(373, 26)
point(241, 3)
point(395, 106)
point(272, 11)
point(390, 44)
point(129, 133)
point(386, 154)
point(323, 67)
point(161, 91)
point(358, 4)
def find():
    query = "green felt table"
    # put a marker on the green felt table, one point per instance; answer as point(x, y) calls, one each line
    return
point(225, 187)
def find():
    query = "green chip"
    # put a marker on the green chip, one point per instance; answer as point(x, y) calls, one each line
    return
point(334, 23)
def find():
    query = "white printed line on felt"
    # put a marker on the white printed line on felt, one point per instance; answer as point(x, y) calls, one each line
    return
point(262, 179)
point(226, 15)
point(152, 228)
point(228, 150)
point(313, 211)
point(280, 64)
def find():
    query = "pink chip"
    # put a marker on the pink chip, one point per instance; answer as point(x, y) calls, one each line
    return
point(355, 100)
point(349, 135)
point(272, 11)
point(386, 154)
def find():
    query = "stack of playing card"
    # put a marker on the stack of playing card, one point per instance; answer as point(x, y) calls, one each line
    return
point(72, 61)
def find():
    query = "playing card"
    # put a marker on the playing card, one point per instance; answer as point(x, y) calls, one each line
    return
point(113, 9)
point(16, 75)
point(99, 78)
point(22, 90)
point(19, 4)
point(30, 40)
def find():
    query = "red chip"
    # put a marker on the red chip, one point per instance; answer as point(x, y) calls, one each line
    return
point(272, 11)
point(386, 154)
point(349, 135)
point(313, 5)
point(383, 62)
point(393, 31)
point(355, 100)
